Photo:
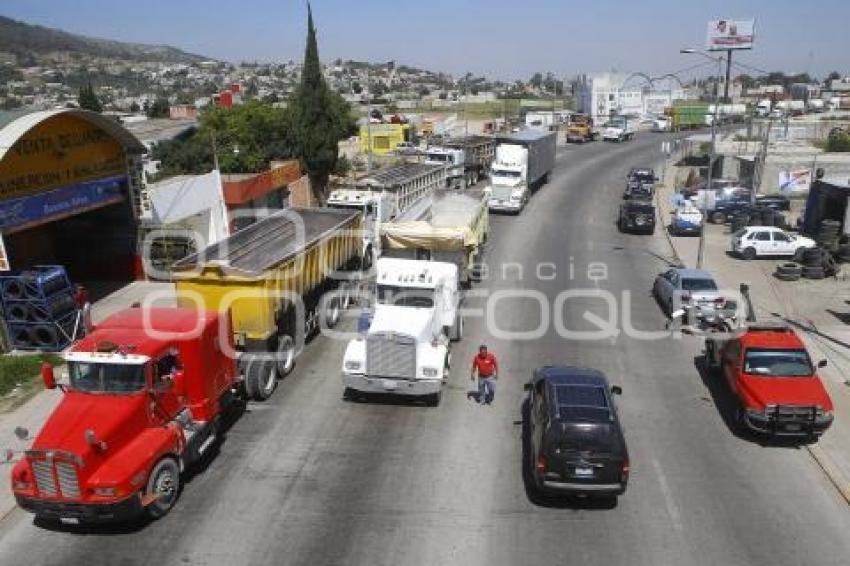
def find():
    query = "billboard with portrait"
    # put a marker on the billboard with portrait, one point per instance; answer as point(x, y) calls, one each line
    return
point(730, 34)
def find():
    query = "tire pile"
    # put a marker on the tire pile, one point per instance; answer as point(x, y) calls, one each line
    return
point(757, 216)
point(817, 263)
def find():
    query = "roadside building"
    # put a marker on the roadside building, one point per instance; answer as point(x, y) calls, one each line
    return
point(603, 95)
point(70, 185)
point(381, 139)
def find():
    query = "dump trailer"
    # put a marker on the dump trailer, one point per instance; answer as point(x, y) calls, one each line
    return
point(688, 116)
point(282, 279)
point(478, 152)
point(453, 231)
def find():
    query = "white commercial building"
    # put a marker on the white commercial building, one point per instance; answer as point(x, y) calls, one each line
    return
point(604, 94)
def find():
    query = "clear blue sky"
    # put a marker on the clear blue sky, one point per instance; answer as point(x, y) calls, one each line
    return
point(500, 38)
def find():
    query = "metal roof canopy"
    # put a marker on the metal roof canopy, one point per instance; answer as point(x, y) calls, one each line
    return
point(468, 141)
point(271, 241)
point(20, 124)
point(393, 177)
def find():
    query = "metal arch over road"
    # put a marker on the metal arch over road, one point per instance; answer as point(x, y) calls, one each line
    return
point(308, 478)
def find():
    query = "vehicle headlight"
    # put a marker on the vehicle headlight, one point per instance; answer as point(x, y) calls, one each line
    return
point(105, 491)
point(353, 365)
point(822, 414)
point(430, 372)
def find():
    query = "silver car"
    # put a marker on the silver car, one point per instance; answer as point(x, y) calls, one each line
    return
point(692, 290)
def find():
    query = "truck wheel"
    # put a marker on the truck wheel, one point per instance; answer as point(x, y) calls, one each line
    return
point(332, 311)
point(260, 377)
point(718, 218)
point(164, 483)
point(285, 355)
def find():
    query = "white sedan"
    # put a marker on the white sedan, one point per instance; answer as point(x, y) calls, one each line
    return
point(761, 241)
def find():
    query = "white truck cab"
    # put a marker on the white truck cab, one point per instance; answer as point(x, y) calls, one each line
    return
point(375, 206)
point(406, 349)
point(508, 190)
point(453, 160)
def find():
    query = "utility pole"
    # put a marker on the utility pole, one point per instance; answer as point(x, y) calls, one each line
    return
point(369, 119)
point(726, 99)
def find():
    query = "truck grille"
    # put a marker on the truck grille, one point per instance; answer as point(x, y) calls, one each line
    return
point(391, 355)
point(64, 482)
point(792, 413)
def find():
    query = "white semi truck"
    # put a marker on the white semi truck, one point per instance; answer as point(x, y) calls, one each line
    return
point(524, 161)
point(405, 351)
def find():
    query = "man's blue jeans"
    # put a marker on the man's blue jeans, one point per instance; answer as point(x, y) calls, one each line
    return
point(486, 389)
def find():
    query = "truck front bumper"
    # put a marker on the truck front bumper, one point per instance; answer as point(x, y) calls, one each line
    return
point(412, 387)
point(767, 425)
point(123, 510)
point(511, 207)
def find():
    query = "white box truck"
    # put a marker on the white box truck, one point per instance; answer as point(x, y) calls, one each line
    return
point(524, 162)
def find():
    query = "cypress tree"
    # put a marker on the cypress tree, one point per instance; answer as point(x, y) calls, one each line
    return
point(319, 117)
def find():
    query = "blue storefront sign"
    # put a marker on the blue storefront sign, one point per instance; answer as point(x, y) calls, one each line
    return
point(58, 203)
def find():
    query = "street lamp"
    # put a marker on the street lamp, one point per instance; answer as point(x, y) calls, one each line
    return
point(711, 156)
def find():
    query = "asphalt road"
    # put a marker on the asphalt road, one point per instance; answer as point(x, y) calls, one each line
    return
point(308, 478)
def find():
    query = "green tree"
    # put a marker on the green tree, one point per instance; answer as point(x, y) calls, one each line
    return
point(88, 100)
point(833, 76)
point(319, 118)
point(159, 109)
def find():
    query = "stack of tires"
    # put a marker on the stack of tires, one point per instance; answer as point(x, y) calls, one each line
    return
point(817, 263)
point(788, 271)
point(39, 308)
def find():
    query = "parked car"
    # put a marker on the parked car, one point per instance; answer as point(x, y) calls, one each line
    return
point(639, 191)
point(760, 241)
point(641, 175)
point(773, 380)
point(687, 219)
point(637, 216)
point(693, 290)
point(741, 199)
point(576, 441)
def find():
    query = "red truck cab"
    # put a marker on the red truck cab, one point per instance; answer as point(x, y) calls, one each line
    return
point(772, 376)
point(146, 392)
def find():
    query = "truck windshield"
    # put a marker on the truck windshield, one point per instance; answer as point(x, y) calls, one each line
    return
point(778, 363)
point(106, 378)
point(441, 157)
point(405, 296)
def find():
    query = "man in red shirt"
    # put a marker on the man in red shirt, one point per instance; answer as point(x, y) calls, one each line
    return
point(484, 364)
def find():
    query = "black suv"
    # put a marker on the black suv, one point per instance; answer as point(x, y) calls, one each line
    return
point(576, 443)
point(637, 216)
point(641, 175)
point(639, 191)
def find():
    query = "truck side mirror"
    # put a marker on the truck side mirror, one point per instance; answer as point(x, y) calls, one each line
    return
point(616, 390)
point(47, 376)
point(526, 386)
point(822, 364)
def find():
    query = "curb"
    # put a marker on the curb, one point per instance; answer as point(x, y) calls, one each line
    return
point(833, 474)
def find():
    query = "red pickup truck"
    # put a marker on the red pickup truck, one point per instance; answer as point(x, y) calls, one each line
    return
point(147, 390)
point(772, 376)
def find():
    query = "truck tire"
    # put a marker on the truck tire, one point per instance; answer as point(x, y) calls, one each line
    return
point(718, 218)
point(260, 376)
point(285, 354)
point(164, 482)
point(331, 312)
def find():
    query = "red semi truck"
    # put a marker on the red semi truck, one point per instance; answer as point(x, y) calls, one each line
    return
point(147, 392)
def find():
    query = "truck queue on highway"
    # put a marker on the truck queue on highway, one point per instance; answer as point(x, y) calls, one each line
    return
point(150, 389)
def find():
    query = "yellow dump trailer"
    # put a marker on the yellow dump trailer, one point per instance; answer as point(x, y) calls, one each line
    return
point(281, 278)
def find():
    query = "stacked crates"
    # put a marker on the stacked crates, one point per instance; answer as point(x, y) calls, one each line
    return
point(39, 308)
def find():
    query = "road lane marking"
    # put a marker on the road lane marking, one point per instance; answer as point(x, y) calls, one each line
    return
point(672, 508)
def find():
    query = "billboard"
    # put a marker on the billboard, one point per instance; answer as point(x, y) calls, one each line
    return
point(730, 34)
point(795, 181)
